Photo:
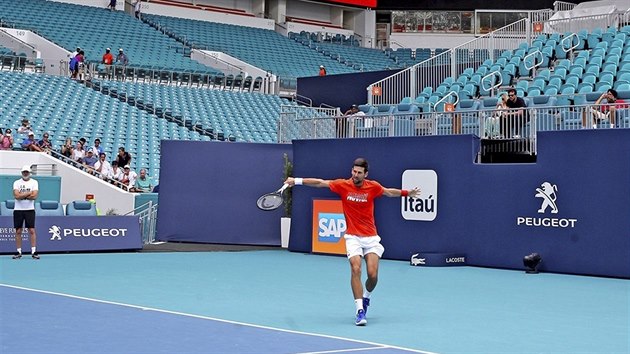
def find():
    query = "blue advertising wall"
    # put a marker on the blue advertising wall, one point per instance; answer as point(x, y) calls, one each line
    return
point(76, 233)
point(479, 205)
point(341, 90)
point(208, 192)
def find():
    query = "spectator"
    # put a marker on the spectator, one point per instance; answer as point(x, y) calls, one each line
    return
point(112, 5)
point(121, 59)
point(74, 54)
point(97, 149)
point(128, 177)
point(322, 70)
point(108, 60)
point(83, 141)
point(89, 160)
point(103, 167)
point(343, 123)
point(78, 154)
point(123, 158)
point(156, 189)
point(144, 183)
point(116, 173)
point(136, 7)
point(513, 121)
point(66, 149)
point(30, 144)
point(6, 142)
point(45, 144)
point(76, 63)
point(25, 128)
point(605, 111)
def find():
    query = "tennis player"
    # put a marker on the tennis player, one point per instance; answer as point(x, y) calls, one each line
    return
point(25, 191)
point(362, 240)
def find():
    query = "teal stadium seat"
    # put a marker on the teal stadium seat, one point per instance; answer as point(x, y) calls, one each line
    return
point(81, 208)
point(48, 208)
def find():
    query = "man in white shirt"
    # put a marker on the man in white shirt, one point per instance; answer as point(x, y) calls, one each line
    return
point(128, 177)
point(103, 167)
point(25, 191)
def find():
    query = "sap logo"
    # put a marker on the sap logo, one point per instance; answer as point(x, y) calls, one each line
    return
point(424, 206)
point(332, 227)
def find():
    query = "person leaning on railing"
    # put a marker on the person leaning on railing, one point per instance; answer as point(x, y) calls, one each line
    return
point(513, 121)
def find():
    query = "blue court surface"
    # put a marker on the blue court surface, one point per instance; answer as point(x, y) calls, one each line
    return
point(281, 302)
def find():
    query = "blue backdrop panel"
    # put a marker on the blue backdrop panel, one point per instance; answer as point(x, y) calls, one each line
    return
point(341, 90)
point(479, 205)
point(208, 192)
point(75, 233)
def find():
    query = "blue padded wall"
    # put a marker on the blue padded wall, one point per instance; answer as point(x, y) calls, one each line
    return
point(208, 192)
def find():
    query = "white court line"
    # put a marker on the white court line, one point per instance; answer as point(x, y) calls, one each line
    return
point(345, 350)
point(381, 346)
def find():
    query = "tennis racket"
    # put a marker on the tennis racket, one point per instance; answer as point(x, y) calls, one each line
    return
point(271, 201)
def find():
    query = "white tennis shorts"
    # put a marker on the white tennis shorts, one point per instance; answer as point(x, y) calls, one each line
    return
point(360, 246)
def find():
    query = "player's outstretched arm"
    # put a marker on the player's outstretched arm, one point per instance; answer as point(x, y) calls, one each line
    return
point(311, 182)
point(393, 192)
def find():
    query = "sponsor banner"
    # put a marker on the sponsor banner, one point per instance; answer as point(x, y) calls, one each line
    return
point(434, 259)
point(424, 206)
point(75, 233)
point(329, 227)
point(548, 194)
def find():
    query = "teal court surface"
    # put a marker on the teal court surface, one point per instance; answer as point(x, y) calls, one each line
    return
point(275, 301)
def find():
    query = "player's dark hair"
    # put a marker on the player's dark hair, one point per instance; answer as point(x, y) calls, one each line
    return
point(361, 162)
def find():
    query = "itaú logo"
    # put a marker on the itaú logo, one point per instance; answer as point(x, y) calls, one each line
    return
point(547, 192)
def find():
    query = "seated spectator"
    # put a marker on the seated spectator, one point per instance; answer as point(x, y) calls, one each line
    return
point(144, 183)
point(103, 167)
point(128, 177)
point(25, 128)
point(30, 144)
point(67, 149)
point(97, 149)
point(116, 173)
point(6, 141)
point(78, 154)
point(123, 158)
point(89, 160)
point(45, 144)
point(607, 110)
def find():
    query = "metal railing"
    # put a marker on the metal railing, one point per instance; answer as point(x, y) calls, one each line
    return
point(302, 114)
point(494, 84)
point(563, 6)
point(589, 23)
point(89, 170)
point(431, 72)
point(148, 220)
point(520, 126)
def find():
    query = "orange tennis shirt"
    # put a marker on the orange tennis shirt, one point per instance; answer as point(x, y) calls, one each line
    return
point(358, 205)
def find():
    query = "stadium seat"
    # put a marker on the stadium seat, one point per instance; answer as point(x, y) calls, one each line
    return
point(81, 208)
point(6, 207)
point(48, 208)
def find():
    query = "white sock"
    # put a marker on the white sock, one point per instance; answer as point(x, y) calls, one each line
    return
point(32, 249)
point(19, 250)
point(366, 294)
point(358, 303)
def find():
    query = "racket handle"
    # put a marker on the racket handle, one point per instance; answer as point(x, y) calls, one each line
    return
point(285, 186)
